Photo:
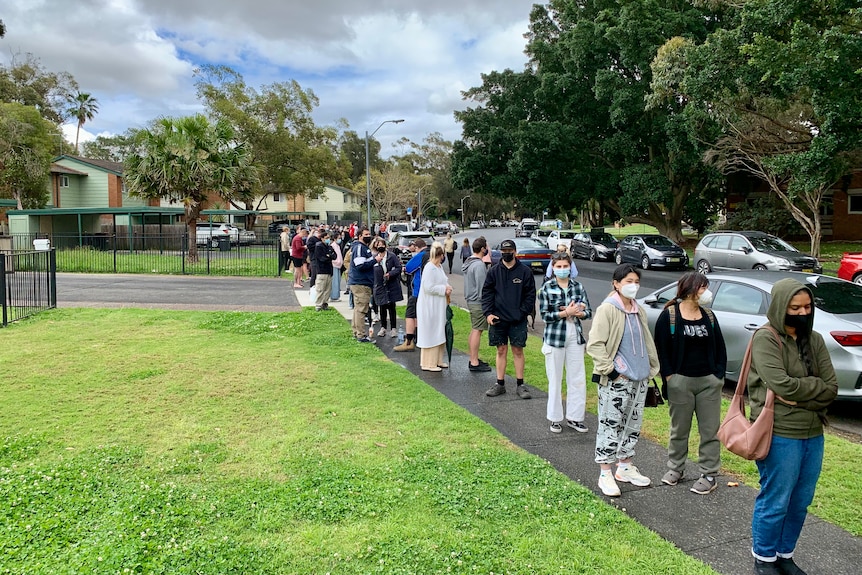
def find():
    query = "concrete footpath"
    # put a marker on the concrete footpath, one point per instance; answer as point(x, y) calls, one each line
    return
point(715, 528)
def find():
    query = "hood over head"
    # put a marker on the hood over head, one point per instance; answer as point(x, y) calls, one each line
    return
point(782, 292)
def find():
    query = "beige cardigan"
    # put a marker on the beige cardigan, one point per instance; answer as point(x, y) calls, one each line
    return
point(606, 333)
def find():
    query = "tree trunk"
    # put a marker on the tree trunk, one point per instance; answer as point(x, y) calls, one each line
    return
point(193, 211)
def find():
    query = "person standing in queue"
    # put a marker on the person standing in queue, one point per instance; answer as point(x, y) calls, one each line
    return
point(361, 281)
point(508, 297)
point(298, 253)
point(693, 361)
point(323, 257)
point(796, 366)
point(624, 360)
point(475, 272)
point(431, 311)
point(414, 272)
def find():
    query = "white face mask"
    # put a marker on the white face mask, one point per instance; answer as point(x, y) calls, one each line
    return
point(705, 298)
point(630, 290)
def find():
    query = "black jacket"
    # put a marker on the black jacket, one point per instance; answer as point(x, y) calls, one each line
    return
point(509, 294)
point(671, 348)
point(323, 256)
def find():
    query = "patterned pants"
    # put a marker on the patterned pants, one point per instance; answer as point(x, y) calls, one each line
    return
point(621, 405)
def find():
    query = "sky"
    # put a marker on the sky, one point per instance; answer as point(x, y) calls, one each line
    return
point(367, 61)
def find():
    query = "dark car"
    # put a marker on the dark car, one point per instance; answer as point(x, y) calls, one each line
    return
point(651, 251)
point(750, 250)
point(740, 303)
point(594, 246)
point(399, 243)
point(532, 253)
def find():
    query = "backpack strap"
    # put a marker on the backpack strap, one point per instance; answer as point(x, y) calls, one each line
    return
point(710, 315)
point(671, 312)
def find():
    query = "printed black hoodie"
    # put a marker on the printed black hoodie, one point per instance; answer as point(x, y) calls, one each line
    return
point(510, 294)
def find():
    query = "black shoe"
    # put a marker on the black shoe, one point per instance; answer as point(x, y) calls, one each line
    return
point(479, 367)
point(523, 393)
point(788, 567)
point(483, 362)
point(766, 568)
point(496, 390)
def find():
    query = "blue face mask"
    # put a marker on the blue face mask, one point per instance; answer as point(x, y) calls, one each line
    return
point(327, 241)
point(562, 273)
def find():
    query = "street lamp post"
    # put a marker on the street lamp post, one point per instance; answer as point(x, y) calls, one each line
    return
point(367, 172)
point(462, 211)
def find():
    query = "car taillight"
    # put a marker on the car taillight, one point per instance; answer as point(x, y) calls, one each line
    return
point(847, 338)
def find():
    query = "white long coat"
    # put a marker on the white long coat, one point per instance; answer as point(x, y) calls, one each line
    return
point(431, 307)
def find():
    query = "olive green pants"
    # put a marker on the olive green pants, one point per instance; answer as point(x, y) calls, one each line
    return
point(699, 397)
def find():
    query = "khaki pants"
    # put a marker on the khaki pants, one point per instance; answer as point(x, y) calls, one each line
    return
point(361, 302)
point(323, 285)
point(430, 357)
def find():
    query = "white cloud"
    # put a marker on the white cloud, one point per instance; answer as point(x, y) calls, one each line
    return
point(367, 60)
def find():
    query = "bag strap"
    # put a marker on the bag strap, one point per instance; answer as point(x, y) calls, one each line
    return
point(671, 312)
point(742, 380)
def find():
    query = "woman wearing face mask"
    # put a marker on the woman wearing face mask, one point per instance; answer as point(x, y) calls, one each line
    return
point(693, 361)
point(563, 303)
point(387, 286)
point(624, 360)
point(800, 373)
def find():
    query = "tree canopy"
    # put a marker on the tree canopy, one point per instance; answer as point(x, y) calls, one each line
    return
point(26, 143)
point(83, 108)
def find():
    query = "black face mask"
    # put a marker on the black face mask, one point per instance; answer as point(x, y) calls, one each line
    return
point(366, 240)
point(800, 323)
point(507, 257)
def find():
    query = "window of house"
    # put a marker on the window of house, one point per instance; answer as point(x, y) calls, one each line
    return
point(854, 201)
point(64, 181)
point(276, 197)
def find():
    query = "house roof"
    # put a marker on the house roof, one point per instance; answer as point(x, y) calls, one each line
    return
point(61, 169)
point(107, 165)
point(122, 211)
point(342, 189)
point(6, 203)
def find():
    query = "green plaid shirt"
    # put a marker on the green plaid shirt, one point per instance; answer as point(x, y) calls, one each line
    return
point(551, 298)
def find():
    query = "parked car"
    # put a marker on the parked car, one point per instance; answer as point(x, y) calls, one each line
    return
point(532, 253)
point(512, 223)
point(526, 228)
point(850, 268)
point(399, 243)
point(549, 223)
point(594, 246)
point(445, 227)
point(541, 235)
point(246, 237)
point(399, 227)
point(651, 250)
point(560, 237)
point(749, 250)
point(741, 300)
point(209, 233)
point(474, 225)
point(495, 224)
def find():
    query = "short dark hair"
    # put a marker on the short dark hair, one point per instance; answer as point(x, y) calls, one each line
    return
point(419, 243)
point(479, 244)
point(623, 270)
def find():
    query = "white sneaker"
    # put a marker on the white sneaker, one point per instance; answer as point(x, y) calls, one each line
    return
point(608, 485)
point(630, 474)
point(393, 332)
point(375, 317)
point(382, 332)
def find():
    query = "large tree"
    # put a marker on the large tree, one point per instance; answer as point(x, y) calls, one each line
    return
point(83, 108)
point(295, 156)
point(26, 143)
point(185, 160)
point(782, 77)
point(114, 148)
point(27, 82)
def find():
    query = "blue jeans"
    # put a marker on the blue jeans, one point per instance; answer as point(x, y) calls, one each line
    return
point(788, 477)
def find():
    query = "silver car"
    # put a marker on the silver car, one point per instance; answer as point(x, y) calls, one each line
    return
point(740, 303)
point(750, 250)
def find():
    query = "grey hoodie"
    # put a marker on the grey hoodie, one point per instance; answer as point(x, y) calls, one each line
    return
point(474, 278)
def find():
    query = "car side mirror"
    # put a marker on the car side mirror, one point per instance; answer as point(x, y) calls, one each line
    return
point(651, 301)
point(746, 249)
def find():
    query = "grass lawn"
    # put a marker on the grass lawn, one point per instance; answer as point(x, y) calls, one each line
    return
point(838, 494)
point(139, 441)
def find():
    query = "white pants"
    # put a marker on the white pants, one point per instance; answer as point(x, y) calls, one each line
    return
point(572, 357)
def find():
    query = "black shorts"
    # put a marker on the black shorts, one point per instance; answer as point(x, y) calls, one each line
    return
point(298, 262)
point(411, 307)
point(504, 332)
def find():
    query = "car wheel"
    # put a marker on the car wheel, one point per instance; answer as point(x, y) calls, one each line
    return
point(760, 267)
point(858, 279)
point(618, 257)
point(704, 267)
point(593, 255)
point(645, 262)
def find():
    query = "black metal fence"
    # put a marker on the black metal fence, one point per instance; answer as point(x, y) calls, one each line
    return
point(166, 253)
point(29, 283)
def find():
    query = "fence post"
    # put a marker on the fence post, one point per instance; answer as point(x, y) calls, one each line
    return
point(52, 278)
point(3, 288)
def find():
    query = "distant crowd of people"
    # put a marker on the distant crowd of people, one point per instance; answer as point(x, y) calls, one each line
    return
point(687, 352)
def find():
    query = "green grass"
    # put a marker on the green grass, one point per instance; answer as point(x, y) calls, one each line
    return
point(838, 492)
point(186, 442)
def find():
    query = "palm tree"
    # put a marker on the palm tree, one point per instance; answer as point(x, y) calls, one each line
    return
point(183, 160)
point(84, 108)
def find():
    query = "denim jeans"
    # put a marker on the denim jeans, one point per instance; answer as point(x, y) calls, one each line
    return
point(788, 477)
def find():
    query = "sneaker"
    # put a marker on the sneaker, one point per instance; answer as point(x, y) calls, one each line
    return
point(788, 567)
point(766, 568)
point(496, 390)
point(577, 426)
point(630, 474)
point(336, 299)
point(556, 427)
point(523, 393)
point(382, 332)
point(375, 318)
point(365, 340)
point(479, 367)
point(393, 332)
point(607, 484)
point(405, 347)
point(672, 477)
point(483, 362)
point(706, 484)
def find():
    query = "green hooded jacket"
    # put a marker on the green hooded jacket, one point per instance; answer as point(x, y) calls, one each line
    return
point(801, 399)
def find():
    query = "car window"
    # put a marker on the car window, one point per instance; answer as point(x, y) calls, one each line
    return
point(529, 244)
point(567, 235)
point(771, 244)
point(838, 297)
point(709, 241)
point(737, 243)
point(665, 296)
point(657, 241)
point(738, 298)
point(721, 242)
point(603, 238)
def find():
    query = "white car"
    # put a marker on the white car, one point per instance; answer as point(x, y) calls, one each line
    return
point(209, 233)
point(561, 237)
point(474, 225)
point(495, 224)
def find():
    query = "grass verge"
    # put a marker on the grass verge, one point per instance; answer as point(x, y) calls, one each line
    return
point(188, 442)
